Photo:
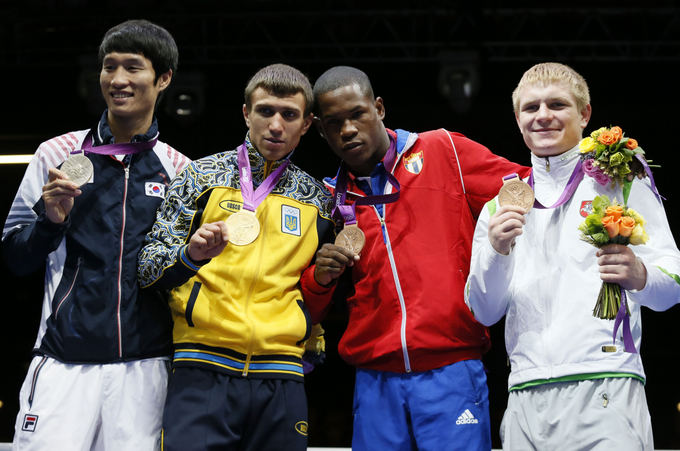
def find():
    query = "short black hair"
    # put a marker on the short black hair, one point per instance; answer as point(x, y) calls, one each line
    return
point(341, 76)
point(145, 38)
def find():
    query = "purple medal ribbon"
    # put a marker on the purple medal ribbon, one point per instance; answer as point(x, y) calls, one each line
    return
point(115, 149)
point(348, 212)
point(252, 199)
point(622, 316)
point(648, 171)
point(572, 184)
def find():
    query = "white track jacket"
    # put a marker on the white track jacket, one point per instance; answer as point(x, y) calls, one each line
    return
point(548, 285)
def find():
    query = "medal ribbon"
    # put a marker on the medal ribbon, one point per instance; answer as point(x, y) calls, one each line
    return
point(648, 171)
point(572, 184)
point(115, 149)
point(252, 199)
point(622, 316)
point(348, 212)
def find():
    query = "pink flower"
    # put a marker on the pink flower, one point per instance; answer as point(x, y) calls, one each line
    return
point(602, 178)
point(595, 172)
point(589, 167)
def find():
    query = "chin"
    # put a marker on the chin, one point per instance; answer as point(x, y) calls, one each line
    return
point(548, 151)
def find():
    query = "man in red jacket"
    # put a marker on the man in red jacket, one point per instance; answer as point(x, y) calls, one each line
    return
point(413, 199)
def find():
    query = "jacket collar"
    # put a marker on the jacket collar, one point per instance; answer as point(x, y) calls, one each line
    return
point(555, 167)
point(259, 166)
point(405, 140)
point(104, 135)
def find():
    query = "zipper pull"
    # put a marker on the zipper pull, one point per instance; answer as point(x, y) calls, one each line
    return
point(547, 164)
point(605, 400)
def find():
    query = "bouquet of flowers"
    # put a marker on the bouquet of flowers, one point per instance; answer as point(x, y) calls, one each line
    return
point(609, 156)
point(611, 223)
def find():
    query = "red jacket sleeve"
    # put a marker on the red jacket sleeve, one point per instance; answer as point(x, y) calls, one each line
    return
point(482, 171)
point(317, 298)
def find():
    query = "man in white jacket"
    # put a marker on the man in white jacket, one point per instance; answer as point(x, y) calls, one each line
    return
point(569, 387)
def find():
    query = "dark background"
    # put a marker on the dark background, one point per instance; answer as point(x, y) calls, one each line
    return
point(414, 52)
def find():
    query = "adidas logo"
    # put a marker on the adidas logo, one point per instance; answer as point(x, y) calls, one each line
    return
point(467, 418)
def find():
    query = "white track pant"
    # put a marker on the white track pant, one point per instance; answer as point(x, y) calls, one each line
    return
point(115, 406)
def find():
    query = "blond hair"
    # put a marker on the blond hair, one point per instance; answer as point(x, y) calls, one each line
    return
point(551, 73)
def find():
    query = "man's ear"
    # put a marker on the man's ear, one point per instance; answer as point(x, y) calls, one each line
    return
point(164, 80)
point(245, 116)
point(380, 107)
point(319, 126)
point(307, 123)
point(585, 115)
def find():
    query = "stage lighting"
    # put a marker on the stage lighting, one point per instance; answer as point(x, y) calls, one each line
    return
point(185, 99)
point(458, 79)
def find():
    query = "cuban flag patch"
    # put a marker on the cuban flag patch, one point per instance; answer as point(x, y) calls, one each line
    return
point(290, 220)
point(154, 189)
point(414, 162)
point(29, 423)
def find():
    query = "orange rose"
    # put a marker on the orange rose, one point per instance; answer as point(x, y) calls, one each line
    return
point(611, 225)
point(631, 144)
point(618, 133)
point(607, 138)
point(615, 211)
point(626, 226)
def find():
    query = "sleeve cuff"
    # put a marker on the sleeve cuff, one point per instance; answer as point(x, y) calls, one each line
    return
point(313, 286)
point(189, 262)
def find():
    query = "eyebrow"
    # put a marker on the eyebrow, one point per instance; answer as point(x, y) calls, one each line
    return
point(353, 110)
point(273, 107)
point(130, 59)
point(550, 99)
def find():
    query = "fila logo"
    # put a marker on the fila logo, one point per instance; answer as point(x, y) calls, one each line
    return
point(154, 189)
point(29, 422)
point(467, 418)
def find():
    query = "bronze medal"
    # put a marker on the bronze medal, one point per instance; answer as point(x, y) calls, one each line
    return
point(516, 192)
point(242, 227)
point(352, 238)
point(78, 168)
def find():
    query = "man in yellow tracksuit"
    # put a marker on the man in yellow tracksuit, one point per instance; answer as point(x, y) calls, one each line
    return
point(232, 238)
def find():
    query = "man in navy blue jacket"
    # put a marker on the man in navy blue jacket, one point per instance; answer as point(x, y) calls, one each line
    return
point(99, 373)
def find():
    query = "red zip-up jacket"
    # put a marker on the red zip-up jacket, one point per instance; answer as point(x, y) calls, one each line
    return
point(406, 309)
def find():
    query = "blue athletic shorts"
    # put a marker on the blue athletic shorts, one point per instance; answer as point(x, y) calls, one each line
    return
point(442, 409)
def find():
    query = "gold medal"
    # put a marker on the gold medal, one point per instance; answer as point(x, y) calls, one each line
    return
point(242, 227)
point(352, 238)
point(516, 192)
point(78, 168)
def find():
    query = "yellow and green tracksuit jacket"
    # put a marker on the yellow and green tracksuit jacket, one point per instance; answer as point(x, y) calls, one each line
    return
point(241, 312)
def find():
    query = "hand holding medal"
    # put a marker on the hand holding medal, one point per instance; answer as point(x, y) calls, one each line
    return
point(351, 238)
point(516, 192)
point(515, 198)
point(243, 226)
point(78, 168)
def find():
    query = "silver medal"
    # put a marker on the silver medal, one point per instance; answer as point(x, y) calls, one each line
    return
point(78, 168)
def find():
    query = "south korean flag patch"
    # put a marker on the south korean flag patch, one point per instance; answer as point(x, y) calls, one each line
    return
point(154, 189)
